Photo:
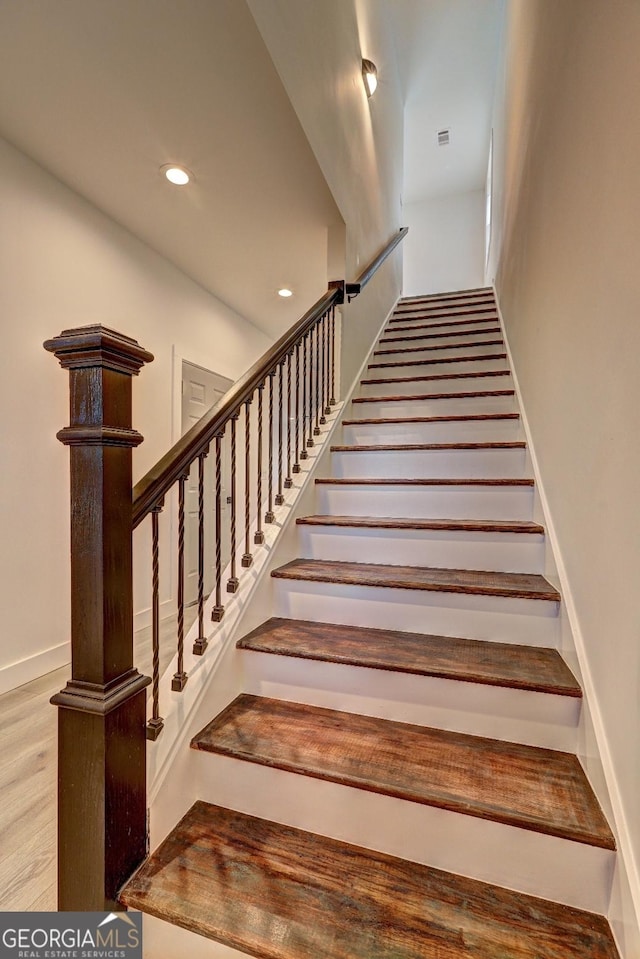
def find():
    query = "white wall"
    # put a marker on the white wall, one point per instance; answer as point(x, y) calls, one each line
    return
point(565, 257)
point(317, 49)
point(64, 264)
point(444, 249)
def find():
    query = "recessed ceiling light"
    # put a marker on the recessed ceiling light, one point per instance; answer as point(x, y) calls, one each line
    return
point(285, 292)
point(177, 175)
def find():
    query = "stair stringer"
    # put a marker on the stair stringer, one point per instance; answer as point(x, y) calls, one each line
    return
point(216, 678)
point(593, 749)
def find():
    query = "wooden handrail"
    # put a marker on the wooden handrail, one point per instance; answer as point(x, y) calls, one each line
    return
point(151, 489)
point(353, 289)
point(158, 481)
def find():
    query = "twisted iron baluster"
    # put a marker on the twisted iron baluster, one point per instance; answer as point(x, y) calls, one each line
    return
point(332, 401)
point(201, 642)
point(326, 324)
point(303, 451)
point(288, 482)
point(270, 516)
point(296, 465)
point(155, 724)
point(179, 679)
point(258, 537)
point(316, 371)
point(233, 582)
point(247, 558)
point(310, 442)
point(279, 495)
point(218, 610)
point(321, 367)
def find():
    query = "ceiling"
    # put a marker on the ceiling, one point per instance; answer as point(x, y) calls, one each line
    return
point(447, 56)
point(106, 91)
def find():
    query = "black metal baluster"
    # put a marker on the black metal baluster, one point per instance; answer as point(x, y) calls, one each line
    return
point(201, 642)
point(288, 482)
point(155, 724)
point(179, 679)
point(296, 465)
point(323, 399)
point(247, 558)
point(332, 401)
point(316, 372)
point(218, 610)
point(258, 537)
point(279, 495)
point(303, 450)
point(310, 442)
point(326, 324)
point(233, 581)
point(270, 516)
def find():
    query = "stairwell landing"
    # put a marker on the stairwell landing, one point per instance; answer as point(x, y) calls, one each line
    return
point(399, 777)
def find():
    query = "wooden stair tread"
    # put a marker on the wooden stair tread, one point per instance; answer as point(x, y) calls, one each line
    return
point(410, 327)
point(442, 336)
point(276, 892)
point(466, 299)
point(424, 378)
point(466, 395)
point(443, 346)
point(448, 304)
point(441, 359)
point(466, 660)
point(417, 447)
point(420, 481)
point(432, 579)
point(443, 312)
point(380, 420)
point(411, 522)
point(525, 786)
point(470, 291)
point(429, 347)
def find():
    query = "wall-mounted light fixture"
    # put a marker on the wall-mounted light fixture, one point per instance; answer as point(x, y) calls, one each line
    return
point(369, 76)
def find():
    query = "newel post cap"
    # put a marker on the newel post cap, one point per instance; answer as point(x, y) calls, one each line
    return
point(97, 345)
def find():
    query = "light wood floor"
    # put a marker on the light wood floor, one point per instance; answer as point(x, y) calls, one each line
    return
point(28, 780)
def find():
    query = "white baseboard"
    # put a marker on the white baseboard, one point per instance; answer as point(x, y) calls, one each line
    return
point(45, 661)
point(626, 927)
point(32, 667)
point(142, 618)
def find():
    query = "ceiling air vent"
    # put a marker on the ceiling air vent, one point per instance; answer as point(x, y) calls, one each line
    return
point(444, 138)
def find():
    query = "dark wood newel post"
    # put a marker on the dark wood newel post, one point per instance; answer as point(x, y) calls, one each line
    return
point(102, 709)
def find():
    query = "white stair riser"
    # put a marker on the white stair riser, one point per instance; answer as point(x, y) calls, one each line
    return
point(428, 353)
point(494, 463)
point(462, 431)
point(461, 366)
point(448, 549)
point(545, 866)
point(494, 618)
point(436, 502)
point(163, 940)
point(514, 715)
point(454, 406)
point(420, 387)
point(421, 316)
point(425, 339)
point(407, 335)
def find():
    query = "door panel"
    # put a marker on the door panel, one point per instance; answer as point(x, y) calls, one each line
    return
point(201, 389)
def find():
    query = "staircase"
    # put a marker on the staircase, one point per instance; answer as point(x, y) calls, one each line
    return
point(399, 777)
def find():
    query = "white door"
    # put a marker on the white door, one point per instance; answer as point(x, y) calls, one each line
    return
point(201, 389)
